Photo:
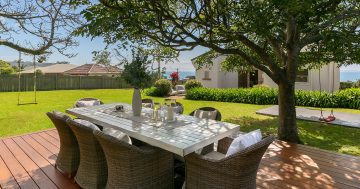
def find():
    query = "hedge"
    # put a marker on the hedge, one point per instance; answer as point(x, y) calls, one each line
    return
point(348, 98)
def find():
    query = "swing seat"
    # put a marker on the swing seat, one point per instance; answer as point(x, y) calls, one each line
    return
point(330, 118)
point(322, 119)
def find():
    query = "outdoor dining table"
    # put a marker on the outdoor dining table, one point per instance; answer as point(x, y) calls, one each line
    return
point(183, 136)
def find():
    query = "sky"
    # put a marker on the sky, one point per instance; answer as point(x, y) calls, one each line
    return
point(87, 46)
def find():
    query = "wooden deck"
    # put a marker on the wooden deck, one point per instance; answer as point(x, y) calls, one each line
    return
point(27, 161)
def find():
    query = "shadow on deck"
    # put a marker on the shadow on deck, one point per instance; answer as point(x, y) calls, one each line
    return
point(27, 161)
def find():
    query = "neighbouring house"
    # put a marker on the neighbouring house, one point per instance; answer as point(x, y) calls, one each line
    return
point(50, 69)
point(214, 77)
point(94, 70)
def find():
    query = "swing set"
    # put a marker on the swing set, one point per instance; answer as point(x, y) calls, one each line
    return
point(331, 117)
point(19, 82)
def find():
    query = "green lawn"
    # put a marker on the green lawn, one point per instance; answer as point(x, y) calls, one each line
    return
point(16, 119)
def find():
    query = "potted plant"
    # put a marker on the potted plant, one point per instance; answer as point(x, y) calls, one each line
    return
point(136, 74)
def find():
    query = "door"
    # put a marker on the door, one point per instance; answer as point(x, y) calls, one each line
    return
point(243, 81)
point(254, 78)
point(248, 79)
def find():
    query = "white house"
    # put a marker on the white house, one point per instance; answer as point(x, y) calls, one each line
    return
point(214, 77)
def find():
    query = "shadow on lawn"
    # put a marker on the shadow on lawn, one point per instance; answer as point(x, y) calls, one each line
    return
point(329, 137)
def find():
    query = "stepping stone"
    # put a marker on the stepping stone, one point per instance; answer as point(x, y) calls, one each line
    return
point(342, 118)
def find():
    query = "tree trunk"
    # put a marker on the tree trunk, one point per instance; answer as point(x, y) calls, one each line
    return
point(287, 130)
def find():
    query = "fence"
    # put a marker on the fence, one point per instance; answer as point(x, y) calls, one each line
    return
point(9, 83)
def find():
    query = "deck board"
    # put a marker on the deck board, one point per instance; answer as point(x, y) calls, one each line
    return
point(28, 161)
point(21, 176)
point(44, 165)
point(33, 170)
point(7, 180)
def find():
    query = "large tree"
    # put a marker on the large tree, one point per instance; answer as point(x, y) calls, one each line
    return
point(278, 37)
point(37, 26)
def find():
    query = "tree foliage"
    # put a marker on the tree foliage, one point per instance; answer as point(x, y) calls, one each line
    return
point(136, 71)
point(102, 58)
point(5, 68)
point(278, 37)
point(259, 33)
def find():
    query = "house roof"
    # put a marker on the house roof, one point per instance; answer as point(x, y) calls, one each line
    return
point(93, 69)
point(53, 68)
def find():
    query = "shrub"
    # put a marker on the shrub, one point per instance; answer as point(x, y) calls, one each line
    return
point(192, 83)
point(163, 87)
point(346, 84)
point(350, 84)
point(348, 98)
point(152, 91)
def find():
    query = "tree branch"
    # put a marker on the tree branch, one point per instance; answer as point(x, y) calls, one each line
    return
point(314, 35)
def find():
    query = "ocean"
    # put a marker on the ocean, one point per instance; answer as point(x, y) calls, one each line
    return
point(182, 74)
point(350, 76)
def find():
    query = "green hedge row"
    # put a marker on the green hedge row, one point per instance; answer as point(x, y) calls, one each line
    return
point(348, 98)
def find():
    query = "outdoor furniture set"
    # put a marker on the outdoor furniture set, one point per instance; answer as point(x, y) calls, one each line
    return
point(107, 148)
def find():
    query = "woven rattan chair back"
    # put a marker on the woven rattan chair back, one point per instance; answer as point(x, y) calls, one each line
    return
point(92, 172)
point(68, 158)
point(236, 171)
point(131, 166)
point(218, 115)
point(179, 108)
point(148, 101)
point(87, 99)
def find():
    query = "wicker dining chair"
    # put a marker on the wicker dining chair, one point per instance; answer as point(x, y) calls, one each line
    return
point(218, 114)
point(131, 166)
point(68, 158)
point(92, 172)
point(179, 108)
point(236, 171)
point(77, 104)
point(147, 101)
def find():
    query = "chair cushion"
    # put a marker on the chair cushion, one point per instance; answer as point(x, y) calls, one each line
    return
point(202, 114)
point(87, 103)
point(87, 124)
point(117, 134)
point(215, 155)
point(173, 92)
point(180, 88)
point(243, 141)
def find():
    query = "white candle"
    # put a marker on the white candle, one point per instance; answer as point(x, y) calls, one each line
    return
point(170, 113)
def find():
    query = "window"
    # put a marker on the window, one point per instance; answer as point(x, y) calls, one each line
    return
point(302, 76)
point(206, 75)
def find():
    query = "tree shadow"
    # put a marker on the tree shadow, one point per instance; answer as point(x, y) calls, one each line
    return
point(320, 135)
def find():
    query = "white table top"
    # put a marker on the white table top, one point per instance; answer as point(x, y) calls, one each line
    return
point(182, 137)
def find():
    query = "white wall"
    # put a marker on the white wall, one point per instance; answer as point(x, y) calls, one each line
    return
point(228, 79)
point(326, 75)
point(214, 74)
point(220, 79)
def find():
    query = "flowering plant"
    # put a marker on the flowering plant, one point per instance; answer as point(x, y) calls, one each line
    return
point(174, 76)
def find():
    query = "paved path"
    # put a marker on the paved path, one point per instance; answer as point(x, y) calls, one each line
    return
point(344, 119)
